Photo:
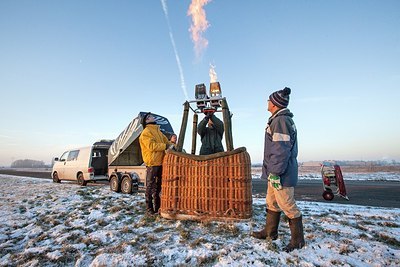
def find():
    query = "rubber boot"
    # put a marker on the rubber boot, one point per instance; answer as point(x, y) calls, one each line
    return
point(149, 206)
point(157, 204)
point(270, 230)
point(297, 235)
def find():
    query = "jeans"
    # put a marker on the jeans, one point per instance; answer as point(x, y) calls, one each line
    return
point(153, 187)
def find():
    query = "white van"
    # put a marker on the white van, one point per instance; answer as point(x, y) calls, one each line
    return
point(83, 164)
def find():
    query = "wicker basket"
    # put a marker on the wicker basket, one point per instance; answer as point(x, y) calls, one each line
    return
point(216, 186)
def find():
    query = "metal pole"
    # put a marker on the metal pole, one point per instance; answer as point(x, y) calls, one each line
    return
point(183, 126)
point(227, 125)
point(194, 133)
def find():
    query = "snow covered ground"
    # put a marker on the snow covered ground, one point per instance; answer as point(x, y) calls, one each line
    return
point(46, 224)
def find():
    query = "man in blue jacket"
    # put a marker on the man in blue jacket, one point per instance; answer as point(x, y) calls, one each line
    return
point(280, 166)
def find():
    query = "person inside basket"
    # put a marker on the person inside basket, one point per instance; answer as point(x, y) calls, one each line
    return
point(173, 139)
point(153, 144)
point(211, 130)
point(280, 167)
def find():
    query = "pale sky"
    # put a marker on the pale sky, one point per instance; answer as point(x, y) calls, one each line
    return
point(73, 72)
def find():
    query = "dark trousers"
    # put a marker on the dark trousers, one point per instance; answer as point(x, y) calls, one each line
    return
point(153, 188)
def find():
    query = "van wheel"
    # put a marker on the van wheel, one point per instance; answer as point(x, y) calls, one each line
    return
point(114, 185)
point(81, 181)
point(55, 178)
point(126, 185)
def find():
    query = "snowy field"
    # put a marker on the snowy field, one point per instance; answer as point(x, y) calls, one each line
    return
point(351, 176)
point(46, 224)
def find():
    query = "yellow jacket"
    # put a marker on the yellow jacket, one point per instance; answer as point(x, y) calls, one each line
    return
point(153, 144)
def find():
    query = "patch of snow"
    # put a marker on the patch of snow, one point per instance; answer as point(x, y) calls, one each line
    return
point(42, 223)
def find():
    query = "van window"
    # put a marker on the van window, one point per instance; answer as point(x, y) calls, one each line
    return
point(64, 156)
point(96, 154)
point(73, 155)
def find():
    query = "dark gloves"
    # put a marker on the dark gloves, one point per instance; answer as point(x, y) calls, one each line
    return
point(208, 114)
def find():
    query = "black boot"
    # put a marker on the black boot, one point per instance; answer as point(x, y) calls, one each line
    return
point(270, 230)
point(149, 206)
point(157, 204)
point(297, 235)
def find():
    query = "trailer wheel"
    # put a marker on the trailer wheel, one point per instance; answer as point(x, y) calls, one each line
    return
point(126, 185)
point(55, 178)
point(328, 195)
point(81, 180)
point(114, 184)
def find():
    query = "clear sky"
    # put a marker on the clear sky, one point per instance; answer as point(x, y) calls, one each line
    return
point(73, 72)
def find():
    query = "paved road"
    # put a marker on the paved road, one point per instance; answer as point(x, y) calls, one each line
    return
point(43, 174)
point(365, 193)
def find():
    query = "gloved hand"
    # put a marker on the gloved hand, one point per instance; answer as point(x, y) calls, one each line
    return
point(275, 181)
point(209, 114)
point(170, 147)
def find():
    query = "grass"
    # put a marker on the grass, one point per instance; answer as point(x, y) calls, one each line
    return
point(115, 209)
point(74, 238)
point(69, 255)
point(126, 230)
point(198, 242)
point(159, 229)
point(269, 245)
point(185, 234)
point(346, 249)
point(387, 240)
point(102, 222)
point(389, 224)
point(363, 236)
point(91, 242)
point(22, 209)
point(28, 259)
point(207, 260)
point(227, 228)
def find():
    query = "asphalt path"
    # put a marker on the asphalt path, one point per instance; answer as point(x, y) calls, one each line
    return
point(365, 193)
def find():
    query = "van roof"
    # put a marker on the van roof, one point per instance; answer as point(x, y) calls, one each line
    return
point(103, 143)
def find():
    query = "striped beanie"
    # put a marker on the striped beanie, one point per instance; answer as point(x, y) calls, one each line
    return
point(280, 98)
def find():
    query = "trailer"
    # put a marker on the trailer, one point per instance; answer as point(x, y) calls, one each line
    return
point(126, 170)
point(333, 182)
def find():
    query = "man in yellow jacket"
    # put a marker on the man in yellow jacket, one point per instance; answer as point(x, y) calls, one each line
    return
point(153, 144)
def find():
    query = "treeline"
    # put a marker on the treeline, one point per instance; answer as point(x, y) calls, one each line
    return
point(360, 163)
point(363, 163)
point(28, 163)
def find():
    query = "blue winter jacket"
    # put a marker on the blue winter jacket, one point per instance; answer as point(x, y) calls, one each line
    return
point(280, 148)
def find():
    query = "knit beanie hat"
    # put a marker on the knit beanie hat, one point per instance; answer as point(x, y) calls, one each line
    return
point(144, 118)
point(280, 98)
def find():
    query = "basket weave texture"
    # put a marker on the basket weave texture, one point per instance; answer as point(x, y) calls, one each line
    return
point(215, 186)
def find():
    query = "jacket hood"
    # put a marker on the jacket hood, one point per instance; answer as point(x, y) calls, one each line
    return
point(281, 112)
